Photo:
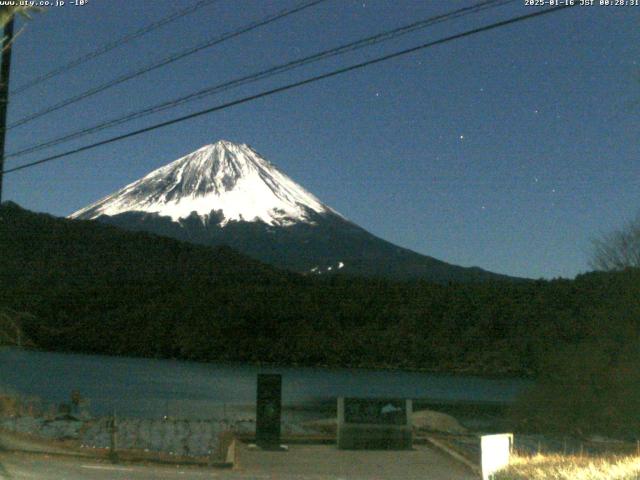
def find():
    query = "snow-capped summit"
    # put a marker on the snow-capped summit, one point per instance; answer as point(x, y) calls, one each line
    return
point(232, 179)
point(227, 194)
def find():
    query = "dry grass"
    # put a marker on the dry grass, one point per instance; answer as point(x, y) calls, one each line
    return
point(561, 467)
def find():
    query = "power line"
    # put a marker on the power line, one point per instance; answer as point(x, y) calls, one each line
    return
point(112, 45)
point(290, 86)
point(365, 42)
point(165, 61)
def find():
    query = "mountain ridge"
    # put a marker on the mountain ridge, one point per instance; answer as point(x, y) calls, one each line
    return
point(227, 194)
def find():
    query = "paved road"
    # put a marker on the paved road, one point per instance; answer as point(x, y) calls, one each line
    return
point(302, 462)
point(326, 462)
point(18, 466)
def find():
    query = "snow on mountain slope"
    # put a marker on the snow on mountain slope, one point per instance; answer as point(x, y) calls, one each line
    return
point(227, 177)
point(227, 194)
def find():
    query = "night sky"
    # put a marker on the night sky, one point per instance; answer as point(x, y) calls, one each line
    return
point(509, 150)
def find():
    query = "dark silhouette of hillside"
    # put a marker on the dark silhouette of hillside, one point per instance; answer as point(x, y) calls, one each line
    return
point(89, 287)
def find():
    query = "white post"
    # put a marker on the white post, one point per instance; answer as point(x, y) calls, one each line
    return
point(495, 453)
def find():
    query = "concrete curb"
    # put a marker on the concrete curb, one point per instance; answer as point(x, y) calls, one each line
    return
point(475, 468)
point(13, 441)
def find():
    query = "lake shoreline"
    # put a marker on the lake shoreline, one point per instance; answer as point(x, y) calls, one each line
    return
point(143, 387)
point(465, 373)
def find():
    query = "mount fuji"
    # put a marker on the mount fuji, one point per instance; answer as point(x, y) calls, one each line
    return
point(226, 193)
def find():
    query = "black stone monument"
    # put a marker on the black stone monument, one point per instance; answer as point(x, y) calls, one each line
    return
point(268, 411)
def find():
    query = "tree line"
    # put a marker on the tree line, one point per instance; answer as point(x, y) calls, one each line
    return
point(86, 287)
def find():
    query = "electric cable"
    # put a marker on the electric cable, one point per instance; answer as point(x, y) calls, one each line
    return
point(290, 86)
point(112, 45)
point(362, 43)
point(163, 62)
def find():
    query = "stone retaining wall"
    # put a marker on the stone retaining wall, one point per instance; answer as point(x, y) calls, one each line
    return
point(178, 437)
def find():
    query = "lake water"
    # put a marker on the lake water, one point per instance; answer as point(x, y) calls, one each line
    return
point(152, 388)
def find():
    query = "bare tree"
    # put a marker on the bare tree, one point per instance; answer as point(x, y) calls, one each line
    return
point(618, 250)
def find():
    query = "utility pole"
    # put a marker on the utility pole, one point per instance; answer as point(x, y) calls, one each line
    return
point(5, 69)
